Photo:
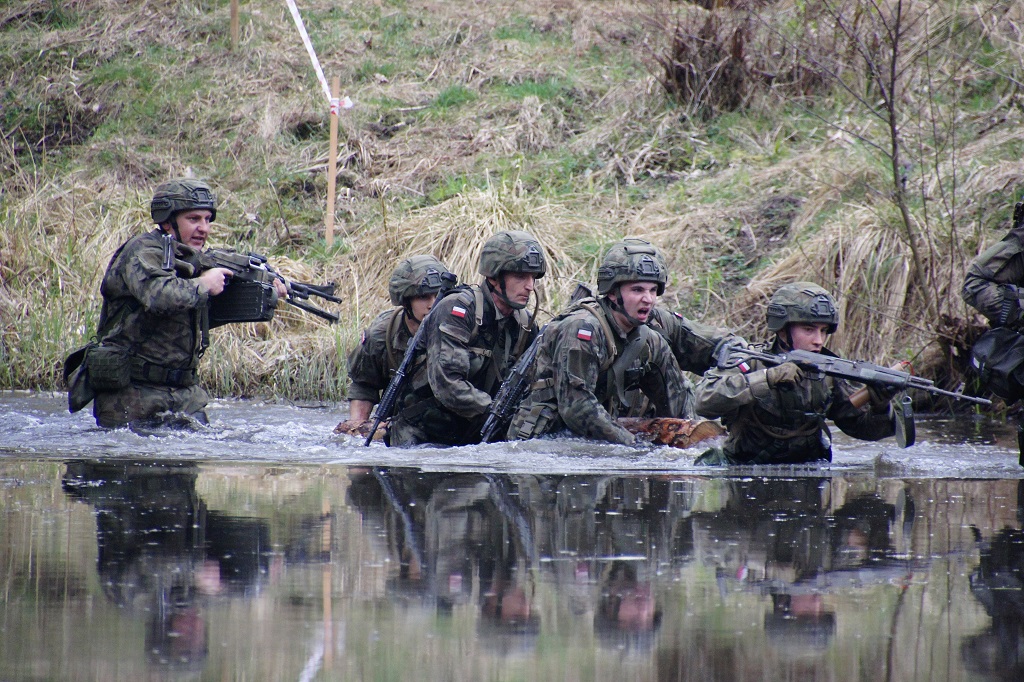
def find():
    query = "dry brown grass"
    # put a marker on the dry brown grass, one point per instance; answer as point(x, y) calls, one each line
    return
point(591, 153)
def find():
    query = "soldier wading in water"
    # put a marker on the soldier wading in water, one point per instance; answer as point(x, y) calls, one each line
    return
point(597, 357)
point(776, 415)
point(154, 324)
point(473, 336)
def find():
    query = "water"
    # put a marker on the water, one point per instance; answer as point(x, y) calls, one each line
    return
point(265, 548)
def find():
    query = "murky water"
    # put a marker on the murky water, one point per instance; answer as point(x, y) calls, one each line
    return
point(264, 548)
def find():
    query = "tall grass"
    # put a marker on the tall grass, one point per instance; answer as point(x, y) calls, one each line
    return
point(477, 117)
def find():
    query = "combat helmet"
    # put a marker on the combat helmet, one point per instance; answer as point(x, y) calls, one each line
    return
point(183, 194)
point(418, 276)
point(632, 260)
point(802, 302)
point(514, 251)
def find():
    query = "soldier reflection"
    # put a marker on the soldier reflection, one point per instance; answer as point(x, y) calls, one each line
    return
point(998, 583)
point(161, 552)
point(458, 539)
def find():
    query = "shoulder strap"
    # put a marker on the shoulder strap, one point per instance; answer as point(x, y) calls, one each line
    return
point(609, 336)
point(393, 359)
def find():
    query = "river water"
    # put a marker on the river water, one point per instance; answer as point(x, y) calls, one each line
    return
point(266, 548)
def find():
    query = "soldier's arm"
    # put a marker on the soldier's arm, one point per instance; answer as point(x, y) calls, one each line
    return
point(157, 290)
point(665, 385)
point(722, 392)
point(581, 350)
point(868, 422)
point(449, 358)
point(693, 344)
point(367, 364)
point(992, 281)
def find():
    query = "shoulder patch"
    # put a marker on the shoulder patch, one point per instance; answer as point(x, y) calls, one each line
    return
point(364, 338)
point(585, 334)
point(458, 311)
point(678, 315)
point(744, 367)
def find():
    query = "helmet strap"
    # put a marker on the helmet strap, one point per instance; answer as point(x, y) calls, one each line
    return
point(616, 304)
point(407, 307)
point(784, 339)
point(503, 293)
point(173, 220)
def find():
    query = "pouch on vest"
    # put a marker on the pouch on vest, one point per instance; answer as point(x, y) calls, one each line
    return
point(998, 356)
point(109, 368)
point(76, 378)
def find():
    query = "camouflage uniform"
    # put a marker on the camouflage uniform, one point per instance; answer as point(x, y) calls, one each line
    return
point(694, 345)
point(994, 279)
point(584, 377)
point(372, 362)
point(157, 318)
point(785, 423)
point(470, 347)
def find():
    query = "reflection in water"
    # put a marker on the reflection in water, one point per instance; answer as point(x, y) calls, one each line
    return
point(161, 552)
point(998, 584)
point(136, 569)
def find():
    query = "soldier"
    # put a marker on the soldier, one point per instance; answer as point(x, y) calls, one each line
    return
point(153, 326)
point(776, 415)
point(994, 279)
point(593, 356)
point(473, 337)
point(414, 286)
point(695, 346)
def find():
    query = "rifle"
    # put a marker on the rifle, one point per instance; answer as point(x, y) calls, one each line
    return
point(515, 386)
point(855, 370)
point(386, 407)
point(247, 305)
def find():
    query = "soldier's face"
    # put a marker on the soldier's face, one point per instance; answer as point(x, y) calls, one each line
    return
point(519, 286)
point(808, 336)
point(638, 299)
point(420, 305)
point(194, 226)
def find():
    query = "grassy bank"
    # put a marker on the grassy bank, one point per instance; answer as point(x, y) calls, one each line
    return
point(753, 142)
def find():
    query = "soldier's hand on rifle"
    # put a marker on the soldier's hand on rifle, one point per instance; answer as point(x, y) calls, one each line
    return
point(786, 374)
point(281, 288)
point(214, 280)
point(881, 394)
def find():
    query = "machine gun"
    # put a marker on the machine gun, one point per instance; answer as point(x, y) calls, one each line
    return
point(386, 407)
point(515, 386)
point(854, 370)
point(249, 295)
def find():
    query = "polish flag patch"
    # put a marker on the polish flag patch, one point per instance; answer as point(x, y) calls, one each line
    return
point(459, 311)
point(585, 334)
point(744, 367)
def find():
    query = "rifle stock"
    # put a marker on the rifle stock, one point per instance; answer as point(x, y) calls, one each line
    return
point(855, 370)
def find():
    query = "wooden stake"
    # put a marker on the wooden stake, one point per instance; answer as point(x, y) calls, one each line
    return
point(332, 160)
point(234, 25)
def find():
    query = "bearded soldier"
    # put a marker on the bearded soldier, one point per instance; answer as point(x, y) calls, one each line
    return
point(474, 335)
point(154, 325)
point(413, 287)
point(594, 357)
point(776, 415)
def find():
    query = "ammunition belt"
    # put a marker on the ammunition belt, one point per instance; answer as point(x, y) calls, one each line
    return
point(158, 374)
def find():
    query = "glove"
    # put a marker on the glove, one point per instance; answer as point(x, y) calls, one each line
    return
point(786, 374)
point(881, 394)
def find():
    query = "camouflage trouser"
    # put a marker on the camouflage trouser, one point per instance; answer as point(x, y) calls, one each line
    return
point(144, 401)
point(429, 422)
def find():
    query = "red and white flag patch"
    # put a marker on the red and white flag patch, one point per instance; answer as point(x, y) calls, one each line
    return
point(744, 367)
point(585, 334)
point(459, 311)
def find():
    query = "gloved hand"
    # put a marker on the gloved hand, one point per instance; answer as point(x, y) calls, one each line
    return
point(880, 394)
point(786, 374)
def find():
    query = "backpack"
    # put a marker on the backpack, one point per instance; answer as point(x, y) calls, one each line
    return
point(998, 357)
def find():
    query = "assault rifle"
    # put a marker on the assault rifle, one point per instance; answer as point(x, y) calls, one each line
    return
point(386, 407)
point(854, 370)
point(515, 386)
point(248, 295)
